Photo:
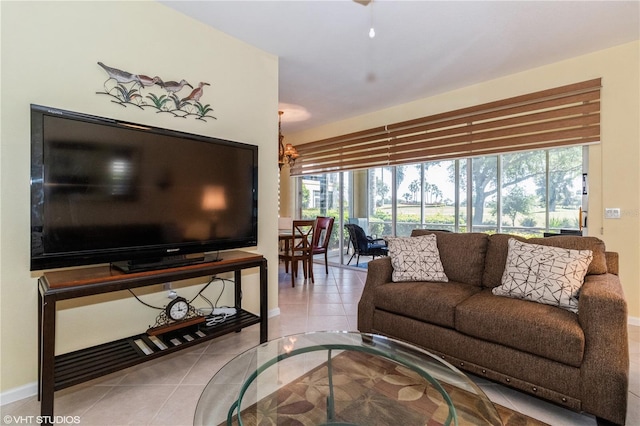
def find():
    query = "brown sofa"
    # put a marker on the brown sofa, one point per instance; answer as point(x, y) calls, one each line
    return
point(579, 361)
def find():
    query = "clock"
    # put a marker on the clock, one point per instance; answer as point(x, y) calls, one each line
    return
point(177, 314)
point(177, 309)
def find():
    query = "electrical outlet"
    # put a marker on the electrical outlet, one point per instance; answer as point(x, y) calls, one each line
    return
point(612, 213)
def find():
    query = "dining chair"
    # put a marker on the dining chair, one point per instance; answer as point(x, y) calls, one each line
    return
point(321, 238)
point(299, 249)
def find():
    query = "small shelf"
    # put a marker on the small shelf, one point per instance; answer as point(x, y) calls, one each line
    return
point(86, 364)
point(60, 372)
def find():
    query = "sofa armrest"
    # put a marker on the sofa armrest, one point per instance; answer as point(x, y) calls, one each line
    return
point(612, 262)
point(378, 273)
point(602, 314)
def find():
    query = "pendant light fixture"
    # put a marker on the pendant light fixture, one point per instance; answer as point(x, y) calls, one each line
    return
point(287, 154)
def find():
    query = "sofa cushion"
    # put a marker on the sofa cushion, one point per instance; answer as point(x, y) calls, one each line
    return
point(415, 259)
point(431, 302)
point(497, 249)
point(462, 254)
point(544, 274)
point(531, 327)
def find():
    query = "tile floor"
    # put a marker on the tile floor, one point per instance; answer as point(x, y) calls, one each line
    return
point(165, 391)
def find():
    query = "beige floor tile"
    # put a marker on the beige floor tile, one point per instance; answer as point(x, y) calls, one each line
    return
point(293, 309)
point(633, 413)
point(294, 298)
point(329, 309)
point(166, 391)
point(634, 376)
point(634, 333)
point(235, 343)
point(168, 370)
point(128, 405)
point(206, 367)
point(76, 400)
point(291, 325)
point(217, 398)
point(353, 322)
point(350, 308)
point(634, 346)
point(316, 289)
point(21, 409)
point(179, 408)
point(351, 298)
point(326, 298)
point(327, 323)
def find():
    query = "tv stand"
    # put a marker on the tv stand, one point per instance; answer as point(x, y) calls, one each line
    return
point(130, 266)
point(61, 371)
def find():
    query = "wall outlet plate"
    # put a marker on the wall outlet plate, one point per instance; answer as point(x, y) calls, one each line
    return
point(612, 213)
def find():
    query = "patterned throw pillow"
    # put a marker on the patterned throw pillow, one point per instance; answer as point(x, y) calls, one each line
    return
point(544, 274)
point(416, 259)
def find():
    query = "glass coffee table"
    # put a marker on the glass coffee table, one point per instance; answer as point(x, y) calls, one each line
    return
point(341, 378)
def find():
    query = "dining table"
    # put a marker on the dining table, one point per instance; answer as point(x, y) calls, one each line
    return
point(285, 237)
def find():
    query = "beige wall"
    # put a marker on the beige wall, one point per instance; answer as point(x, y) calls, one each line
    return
point(49, 56)
point(614, 176)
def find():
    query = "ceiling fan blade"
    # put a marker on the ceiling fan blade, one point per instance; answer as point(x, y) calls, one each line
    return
point(363, 2)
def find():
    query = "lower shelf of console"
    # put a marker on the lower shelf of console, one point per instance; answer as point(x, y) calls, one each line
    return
point(86, 364)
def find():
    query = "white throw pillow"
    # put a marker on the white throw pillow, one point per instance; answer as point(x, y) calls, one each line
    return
point(416, 259)
point(544, 274)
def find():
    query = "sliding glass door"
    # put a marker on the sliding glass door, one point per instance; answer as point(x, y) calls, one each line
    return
point(525, 193)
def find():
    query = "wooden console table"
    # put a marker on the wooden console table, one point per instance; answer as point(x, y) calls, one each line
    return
point(62, 371)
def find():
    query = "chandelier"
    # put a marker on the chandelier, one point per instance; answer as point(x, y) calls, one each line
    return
point(287, 154)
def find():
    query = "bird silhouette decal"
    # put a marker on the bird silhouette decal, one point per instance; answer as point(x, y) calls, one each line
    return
point(146, 81)
point(174, 86)
point(196, 93)
point(144, 91)
point(118, 75)
point(121, 76)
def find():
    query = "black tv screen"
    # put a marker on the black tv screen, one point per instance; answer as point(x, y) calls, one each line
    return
point(110, 191)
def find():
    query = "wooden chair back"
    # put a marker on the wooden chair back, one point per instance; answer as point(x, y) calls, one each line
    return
point(322, 233)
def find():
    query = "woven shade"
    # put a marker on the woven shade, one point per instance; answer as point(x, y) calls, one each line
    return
point(567, 115)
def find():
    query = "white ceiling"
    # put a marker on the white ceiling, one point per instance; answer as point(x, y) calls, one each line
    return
point(330, 68)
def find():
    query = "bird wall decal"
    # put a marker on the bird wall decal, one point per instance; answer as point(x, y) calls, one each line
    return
point(118, 75)
point(124, 77)
point(137, 90)
point(147, 81)
point(196, 93)
point(174, 86)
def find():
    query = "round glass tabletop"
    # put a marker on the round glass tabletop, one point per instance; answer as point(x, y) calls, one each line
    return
point(341, 378)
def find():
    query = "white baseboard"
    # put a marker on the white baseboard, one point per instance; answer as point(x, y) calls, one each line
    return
point(273, 313)
point(16, 394)
point(634, 321)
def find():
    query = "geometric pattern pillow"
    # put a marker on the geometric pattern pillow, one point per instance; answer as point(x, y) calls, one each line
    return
point(544, 274)
point(416, 259)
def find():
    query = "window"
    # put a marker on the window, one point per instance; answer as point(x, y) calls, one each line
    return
point(381, 201)
point(321, 195)
point(526, 193)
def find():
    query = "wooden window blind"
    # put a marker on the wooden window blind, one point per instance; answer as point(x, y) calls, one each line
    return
point(567, 115)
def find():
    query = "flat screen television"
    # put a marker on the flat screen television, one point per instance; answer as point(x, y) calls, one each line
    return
point(108, 191)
